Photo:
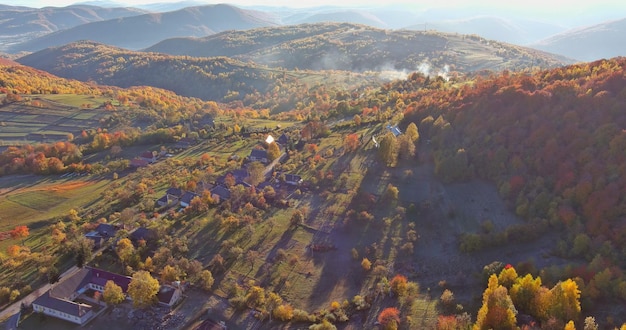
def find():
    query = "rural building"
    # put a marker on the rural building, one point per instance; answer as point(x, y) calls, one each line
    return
point(292, 179)
point(169, 295)
point(259, 155)
point(167, 200)
point(143, 234)
point(139, 163)
point(148, 156)
point(222, 192)
point(394, 130)
point(187, 197)
point(61, 301)
point(101, 234)
point(172, 197)
point(283, 139)
point(203, 186)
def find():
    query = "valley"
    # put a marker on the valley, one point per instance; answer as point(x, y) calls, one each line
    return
point(264, 168)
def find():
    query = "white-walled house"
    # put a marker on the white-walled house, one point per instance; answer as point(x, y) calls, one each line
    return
point(60, 301)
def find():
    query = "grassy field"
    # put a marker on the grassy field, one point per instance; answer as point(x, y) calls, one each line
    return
point(34, 201)
point(22, 123)
point(76, 100)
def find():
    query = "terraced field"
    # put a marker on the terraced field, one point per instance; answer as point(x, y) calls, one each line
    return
point(21, 123)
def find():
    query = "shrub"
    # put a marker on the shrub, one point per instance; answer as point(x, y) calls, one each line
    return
point(283, 312)
point(399, 285)
point(302, 316)
point(366, 264)
point(5, 293)
point(14, 295)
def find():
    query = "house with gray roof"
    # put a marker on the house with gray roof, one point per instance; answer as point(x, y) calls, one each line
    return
point(259, 155)
point(101, 234)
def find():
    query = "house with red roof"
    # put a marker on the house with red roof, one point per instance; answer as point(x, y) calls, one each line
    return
point(61, 300)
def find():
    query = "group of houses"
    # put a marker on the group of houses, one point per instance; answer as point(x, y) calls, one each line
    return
point(176, 196)
point(150, 157)
point(219, 190)
point(75, 298)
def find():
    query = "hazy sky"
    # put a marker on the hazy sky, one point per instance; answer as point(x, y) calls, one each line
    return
point(544, 6)
point(568, 13)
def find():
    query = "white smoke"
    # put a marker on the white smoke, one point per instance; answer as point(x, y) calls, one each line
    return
point(424, 68)
point(388, 72)
point(443, 73)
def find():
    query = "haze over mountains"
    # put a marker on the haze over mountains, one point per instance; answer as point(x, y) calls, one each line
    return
point(144, 30)
point(603, 40)
point(19, 24)
point(594, 36)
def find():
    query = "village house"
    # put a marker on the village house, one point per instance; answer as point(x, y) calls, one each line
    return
point(169, 295)
point(258, 155)
point(283, 139)
point(203, 186)
point(61, 301)
point(221, 192)
point(143, 234)
point(394, 130)
point(136, 163)
point(187, 197)
point(172, 197)
point(292, 179)
point(101, 234)
point(148, 156)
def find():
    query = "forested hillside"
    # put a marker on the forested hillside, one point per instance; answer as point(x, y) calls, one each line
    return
point(330, 46)
point(554, 143)
point(208, 78)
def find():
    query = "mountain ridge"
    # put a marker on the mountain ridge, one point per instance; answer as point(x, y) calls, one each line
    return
point(604, 40)
point(140, 31)
point(358, 48)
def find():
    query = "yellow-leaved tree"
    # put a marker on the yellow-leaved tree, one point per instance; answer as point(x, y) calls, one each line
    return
point(565, 301)
point(113, 294)
point(497, 311)
point(143, 289)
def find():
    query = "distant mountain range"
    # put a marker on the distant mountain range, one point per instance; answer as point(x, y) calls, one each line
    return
point(604, 40)
point(19, 24)
point(29, 30)
point(259, 58)
point(147, 29)
point(519, 32)
point(344, 46)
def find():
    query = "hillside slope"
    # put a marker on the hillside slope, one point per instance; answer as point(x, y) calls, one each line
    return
point(144, 30)
point(591, 43)
point(515, 31)
point(554, 143)
point(214, 78)
point(327, 46)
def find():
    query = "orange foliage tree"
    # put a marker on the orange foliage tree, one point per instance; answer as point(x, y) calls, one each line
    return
point(20, 232)
point(389, 318)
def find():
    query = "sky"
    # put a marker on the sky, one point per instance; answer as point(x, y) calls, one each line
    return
point(550, 6)
point(568, 13)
